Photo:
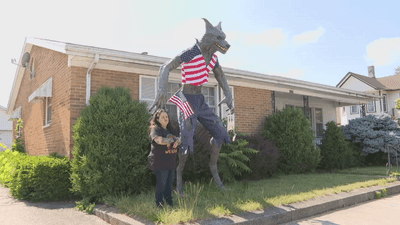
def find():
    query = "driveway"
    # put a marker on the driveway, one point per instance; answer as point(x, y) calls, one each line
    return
point(16, 212)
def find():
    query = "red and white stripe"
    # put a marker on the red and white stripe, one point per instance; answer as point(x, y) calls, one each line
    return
point(184, 106)
point(196, 72)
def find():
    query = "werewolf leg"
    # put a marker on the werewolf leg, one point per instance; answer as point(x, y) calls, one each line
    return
point(179, 171)
point(213, 163)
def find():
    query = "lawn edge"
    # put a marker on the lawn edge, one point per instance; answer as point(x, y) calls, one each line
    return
point(270, 215)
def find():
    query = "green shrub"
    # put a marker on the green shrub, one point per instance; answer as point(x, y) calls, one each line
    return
point(335, 151)
point(357, 153)
point(35, 178)
point(264, 163)
point(232, 159)
point(18, 143)
point(291, 132)
point(111, 146)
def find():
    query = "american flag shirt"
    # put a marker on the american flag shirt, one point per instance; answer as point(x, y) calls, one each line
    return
point(194, 68)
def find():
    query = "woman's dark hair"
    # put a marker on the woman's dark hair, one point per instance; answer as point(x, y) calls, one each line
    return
point(154, 120)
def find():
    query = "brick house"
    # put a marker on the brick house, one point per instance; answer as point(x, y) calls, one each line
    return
point(387, 87)
point(65, 75)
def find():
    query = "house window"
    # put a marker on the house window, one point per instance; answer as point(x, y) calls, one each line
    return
point(148, 93)
point(384, 103)
point(354, 109)
point(224, 107)
point(48, 111)
point(319, 123)
point(371, 106)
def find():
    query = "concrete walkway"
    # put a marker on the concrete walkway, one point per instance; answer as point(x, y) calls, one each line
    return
point(379, 211)
point(16, 212)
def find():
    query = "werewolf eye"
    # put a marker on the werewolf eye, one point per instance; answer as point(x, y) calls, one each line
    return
point(219, 38)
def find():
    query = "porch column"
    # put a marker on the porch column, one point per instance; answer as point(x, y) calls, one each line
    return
point(273, 101)
point(362, 110)
point(306, 106)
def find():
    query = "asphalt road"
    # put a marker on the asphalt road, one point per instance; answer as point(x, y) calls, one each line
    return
point(379, 211)
point(16, 212)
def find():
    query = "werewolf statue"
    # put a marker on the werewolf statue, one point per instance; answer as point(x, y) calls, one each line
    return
point(196, 63)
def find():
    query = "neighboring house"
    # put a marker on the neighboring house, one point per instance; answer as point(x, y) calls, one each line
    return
point(387, 87)
point(66, 75)
point(5, 129)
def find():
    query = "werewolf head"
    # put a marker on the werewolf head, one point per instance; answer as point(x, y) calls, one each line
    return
point(214, 38)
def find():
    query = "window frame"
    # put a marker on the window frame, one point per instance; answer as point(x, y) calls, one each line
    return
point(374, 104)
point(384, 103)
point(357, 111)
point(48, 107)
point(317, 123)
point(174, 81)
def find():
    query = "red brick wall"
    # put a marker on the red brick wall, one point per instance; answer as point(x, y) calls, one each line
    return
point(99, 78)
point(54, 138)
point(252, 106)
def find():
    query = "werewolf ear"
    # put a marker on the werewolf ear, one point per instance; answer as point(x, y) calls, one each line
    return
point(219, 26)
point(208, 24)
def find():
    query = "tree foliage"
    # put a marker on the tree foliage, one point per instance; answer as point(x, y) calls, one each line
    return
point(335, 151)
point(375, 133)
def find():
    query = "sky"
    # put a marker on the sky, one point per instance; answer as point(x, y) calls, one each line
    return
point(315, 41)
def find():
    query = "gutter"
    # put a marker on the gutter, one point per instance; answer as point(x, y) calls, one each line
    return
point(88, 77)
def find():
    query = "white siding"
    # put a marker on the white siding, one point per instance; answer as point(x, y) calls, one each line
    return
point(328, 107)
point(5, 129)
point(356, 85)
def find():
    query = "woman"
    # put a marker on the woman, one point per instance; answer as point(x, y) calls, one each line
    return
point(162, 157)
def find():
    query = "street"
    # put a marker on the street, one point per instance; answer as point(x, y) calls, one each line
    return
point(16, 212)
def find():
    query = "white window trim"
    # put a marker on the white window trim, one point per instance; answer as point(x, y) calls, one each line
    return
point(383, 103)
point(140, 88)
point(223, 107)
point(46, 109)
point(357, 110)
point(374, 103)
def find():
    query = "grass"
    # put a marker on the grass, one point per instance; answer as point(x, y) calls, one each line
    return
point(207, 200)
point(371, 170)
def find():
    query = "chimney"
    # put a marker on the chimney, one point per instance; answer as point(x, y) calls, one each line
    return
point(371, 71)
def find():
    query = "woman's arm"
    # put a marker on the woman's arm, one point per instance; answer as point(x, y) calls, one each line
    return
point(163, 141)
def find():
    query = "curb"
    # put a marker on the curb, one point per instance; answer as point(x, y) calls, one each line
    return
point(270, 215)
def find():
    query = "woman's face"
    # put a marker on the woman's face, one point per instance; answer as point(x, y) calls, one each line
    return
point(163, 119)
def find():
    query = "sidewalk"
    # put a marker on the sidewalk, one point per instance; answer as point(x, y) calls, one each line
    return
point(17, 212)
point(271, 215)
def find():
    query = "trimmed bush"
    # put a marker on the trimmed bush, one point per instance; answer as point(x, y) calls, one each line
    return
point(35, 178)
point(111, 146)
point(291, 132)
point(335, 151)
point(264, 163)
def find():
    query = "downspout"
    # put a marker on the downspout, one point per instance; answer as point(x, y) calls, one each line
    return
point(88, 77)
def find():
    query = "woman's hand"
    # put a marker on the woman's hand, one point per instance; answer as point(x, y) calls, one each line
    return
point(178, 142)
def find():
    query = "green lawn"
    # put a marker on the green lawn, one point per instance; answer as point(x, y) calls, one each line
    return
point(371, 170)
point(206, 200)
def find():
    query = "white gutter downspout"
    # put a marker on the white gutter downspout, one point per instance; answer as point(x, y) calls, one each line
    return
point(88, 77)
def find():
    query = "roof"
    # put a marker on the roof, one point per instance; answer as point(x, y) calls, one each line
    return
point(373, 82)
point(391, 82)
point(274, 83)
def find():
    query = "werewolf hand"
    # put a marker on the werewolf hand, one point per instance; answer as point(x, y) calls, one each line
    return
point(229, 102)
point(160, 101)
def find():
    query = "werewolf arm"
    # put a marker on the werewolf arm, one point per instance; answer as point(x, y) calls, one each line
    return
point(161, 98)
point(220, 76)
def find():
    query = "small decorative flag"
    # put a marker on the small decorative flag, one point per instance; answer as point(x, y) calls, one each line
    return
point(179, 100)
